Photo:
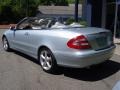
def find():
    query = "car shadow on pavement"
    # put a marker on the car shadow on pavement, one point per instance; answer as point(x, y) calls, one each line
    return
point(94, 73)
point(26, 57)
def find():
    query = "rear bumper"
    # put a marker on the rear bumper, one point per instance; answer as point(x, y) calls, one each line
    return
point(83, 59)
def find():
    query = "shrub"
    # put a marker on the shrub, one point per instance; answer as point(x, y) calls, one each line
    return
point(11, 11)
point(80, 21)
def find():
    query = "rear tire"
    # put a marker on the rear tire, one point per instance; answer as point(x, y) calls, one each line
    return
point(47, 61)
point(5, 42)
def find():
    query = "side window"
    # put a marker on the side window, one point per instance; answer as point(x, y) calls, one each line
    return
point(24, 25)
point(35, 23)
point(40, 23)
point(43, 23)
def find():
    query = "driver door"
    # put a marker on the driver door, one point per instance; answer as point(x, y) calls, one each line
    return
point(21, 36)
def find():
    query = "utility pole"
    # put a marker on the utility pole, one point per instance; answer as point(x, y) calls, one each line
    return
point(76, 10)
point(116, 17)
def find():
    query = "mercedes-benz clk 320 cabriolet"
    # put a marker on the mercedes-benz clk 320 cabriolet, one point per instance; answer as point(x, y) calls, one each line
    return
point(55, 44)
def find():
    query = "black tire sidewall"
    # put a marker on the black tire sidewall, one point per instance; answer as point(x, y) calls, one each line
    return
point(7, 43)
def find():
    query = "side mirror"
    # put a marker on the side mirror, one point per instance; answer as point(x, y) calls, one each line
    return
point(12, 28)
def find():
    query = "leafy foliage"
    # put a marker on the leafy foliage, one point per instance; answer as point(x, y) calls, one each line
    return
point(14, 10)
point(80, 21)
point(54, 2)
point(73, 1)
point(60, 2)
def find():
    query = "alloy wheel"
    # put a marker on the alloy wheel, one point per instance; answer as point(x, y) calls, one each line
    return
point(46, 60)
point(5, 44)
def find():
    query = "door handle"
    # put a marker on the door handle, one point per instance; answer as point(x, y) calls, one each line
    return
point(26, 33)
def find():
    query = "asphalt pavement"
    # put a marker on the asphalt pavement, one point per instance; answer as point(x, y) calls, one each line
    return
point(21, 72)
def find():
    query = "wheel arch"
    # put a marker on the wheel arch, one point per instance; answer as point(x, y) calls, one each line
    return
point(3, 36)
point(44, 46)
point(41, 47)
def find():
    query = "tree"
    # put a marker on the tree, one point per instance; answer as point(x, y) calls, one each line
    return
point(54, 2)
point(60, 2)
point(5, 12)
point(14, 10)
point(46, 2)
point(73, 1)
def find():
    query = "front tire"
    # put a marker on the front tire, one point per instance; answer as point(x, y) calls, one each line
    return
point(47, 60)
point(5, 42)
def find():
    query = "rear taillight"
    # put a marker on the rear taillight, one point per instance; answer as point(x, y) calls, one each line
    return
point(80, 42)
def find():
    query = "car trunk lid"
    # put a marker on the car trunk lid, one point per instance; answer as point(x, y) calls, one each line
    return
point(98, 38)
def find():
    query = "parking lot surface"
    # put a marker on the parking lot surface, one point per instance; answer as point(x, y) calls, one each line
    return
point(21, 72)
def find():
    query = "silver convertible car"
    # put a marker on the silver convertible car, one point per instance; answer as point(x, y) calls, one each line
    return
point(55, 44)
